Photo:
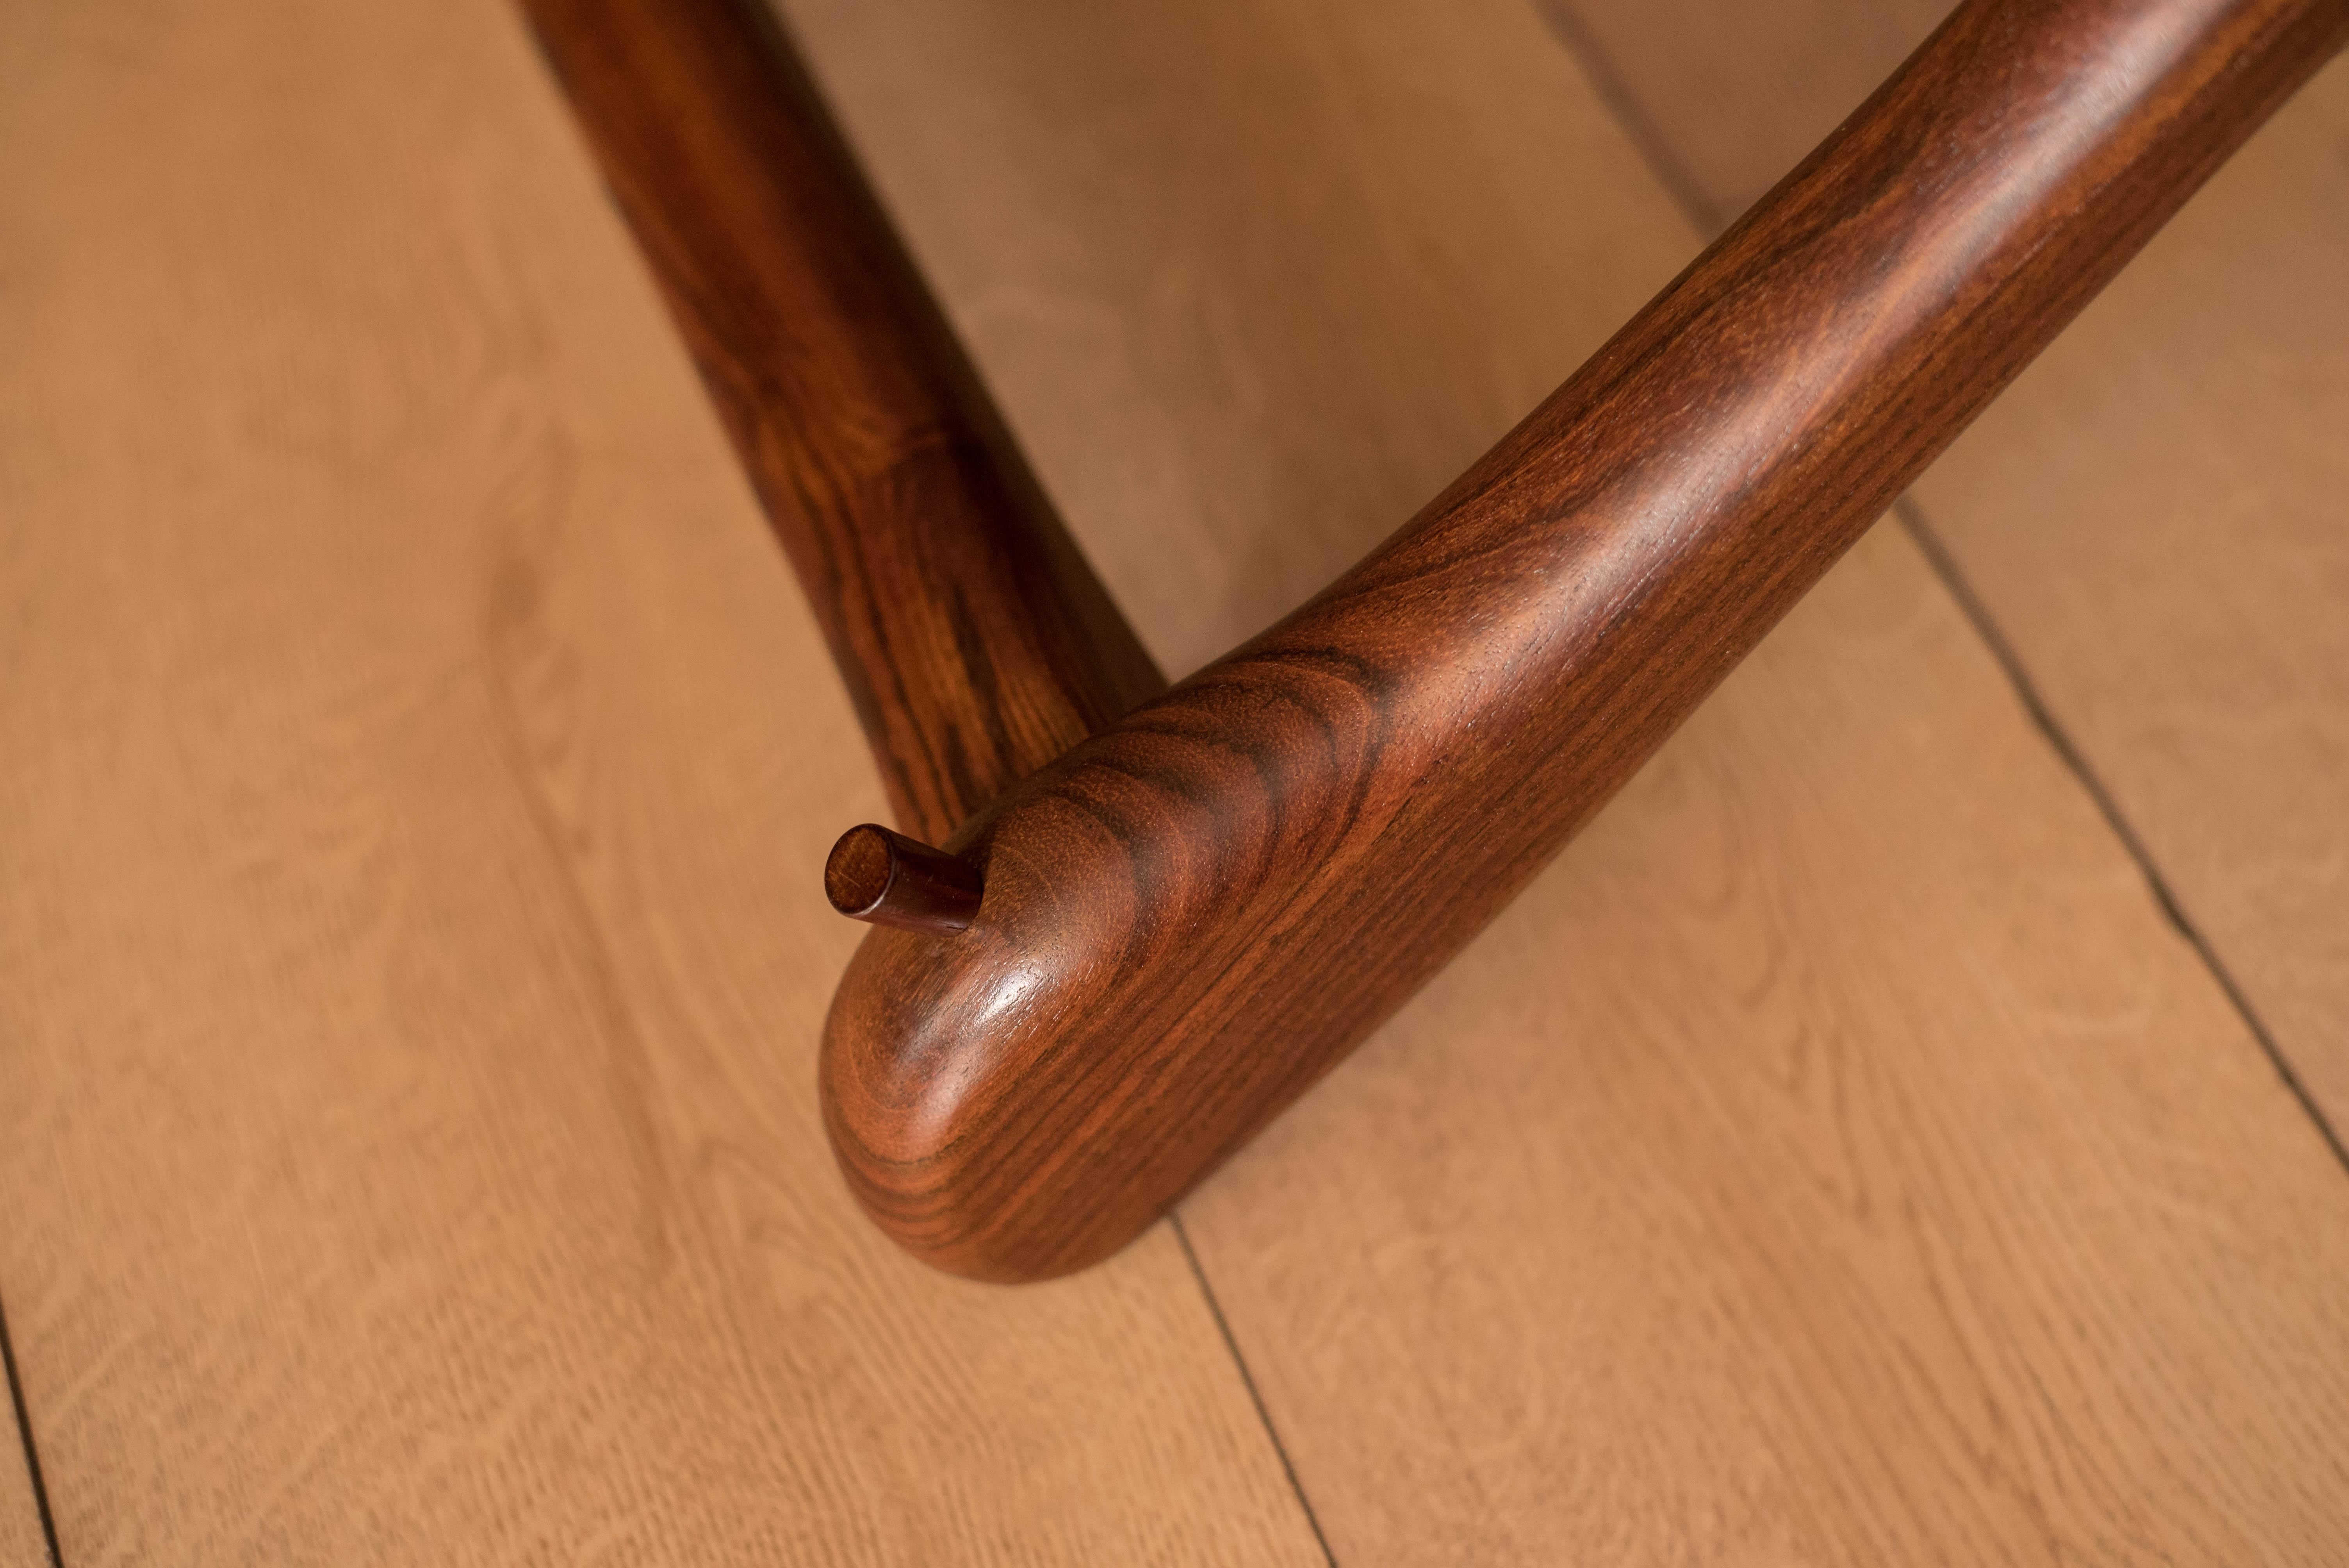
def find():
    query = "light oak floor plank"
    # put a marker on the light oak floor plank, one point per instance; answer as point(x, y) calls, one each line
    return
point(1737, 94)
point(24, 1535)
point(2155, 519)
point(1837, 1156)
point(417, 768)
point(1239, 282)
point(23, 1542)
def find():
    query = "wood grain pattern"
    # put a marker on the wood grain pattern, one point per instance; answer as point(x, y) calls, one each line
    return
point(419, 762)
point(874, 874)
point(1170, 235)
point(2151, 517)
point(22, 1541)
point(1836, 1158)
point(1195, 913)
point(976, 643)
point(1833, 1158)
point(2159, 527)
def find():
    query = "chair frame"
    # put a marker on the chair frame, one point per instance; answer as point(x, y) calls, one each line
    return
point(1155, 916)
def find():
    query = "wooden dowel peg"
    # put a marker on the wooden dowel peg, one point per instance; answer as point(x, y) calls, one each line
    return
point(876, 875)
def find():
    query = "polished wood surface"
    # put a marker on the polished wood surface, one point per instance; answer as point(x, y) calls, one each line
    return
point(1833, 1157)
point(1194, 914)
point(976, 643)
point(874, 874)
point(1830, 1159)
point(1835, 1160)
point(2150, 519)
point(420, 761)
point(1229, 426)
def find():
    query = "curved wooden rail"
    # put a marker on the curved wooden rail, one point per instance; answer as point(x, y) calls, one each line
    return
point(1188, 918)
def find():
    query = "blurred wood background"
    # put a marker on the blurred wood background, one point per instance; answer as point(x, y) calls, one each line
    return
point(1895, 1132)
point(21, 1528)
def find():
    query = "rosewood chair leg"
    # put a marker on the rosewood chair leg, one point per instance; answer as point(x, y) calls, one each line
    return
point(974, 640)
point(1183, 919)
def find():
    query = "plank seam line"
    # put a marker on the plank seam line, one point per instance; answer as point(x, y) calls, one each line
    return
point(1656, 149)
point(32, 1454)
point(1632, 118)
point(1247, 1381)
point(1912, 519)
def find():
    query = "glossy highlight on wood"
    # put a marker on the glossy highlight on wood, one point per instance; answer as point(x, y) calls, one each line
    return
point(974, 642)
point(1194, 914)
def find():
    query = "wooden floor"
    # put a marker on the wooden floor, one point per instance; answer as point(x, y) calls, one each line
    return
point(1892, 1134)
point(2151, 523)
point(22, 1538)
